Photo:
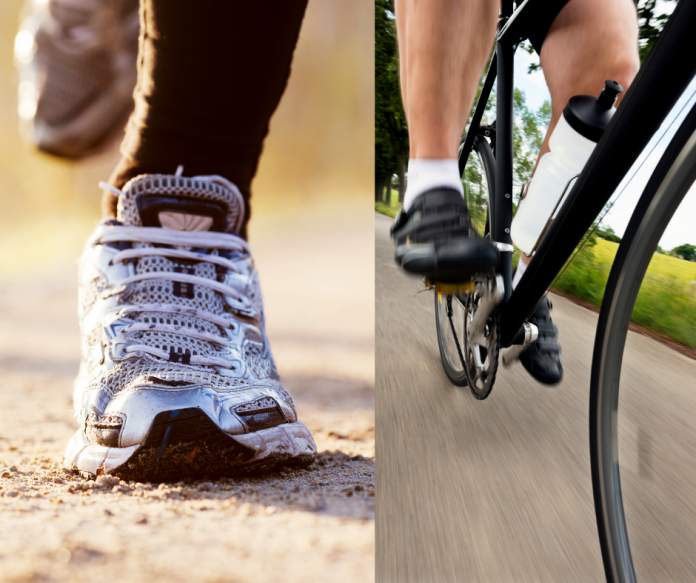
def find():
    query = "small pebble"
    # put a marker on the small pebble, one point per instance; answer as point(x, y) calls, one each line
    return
point(106, 481)
point(6, 474)
point(12, 493)
point(108, 512)
point(142, 520)
point(13, 468)
point(58, 481)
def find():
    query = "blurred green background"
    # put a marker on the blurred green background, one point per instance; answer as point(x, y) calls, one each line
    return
point(319, 152)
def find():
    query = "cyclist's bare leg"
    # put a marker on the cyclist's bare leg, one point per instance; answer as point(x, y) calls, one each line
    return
point(443, 47)
point(590, 41)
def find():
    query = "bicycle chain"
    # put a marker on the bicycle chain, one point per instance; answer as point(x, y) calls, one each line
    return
point(456, 340)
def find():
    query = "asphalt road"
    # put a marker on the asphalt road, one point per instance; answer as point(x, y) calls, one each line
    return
point(500, 490)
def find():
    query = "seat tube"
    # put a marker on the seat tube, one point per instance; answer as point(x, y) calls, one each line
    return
point(502, 216)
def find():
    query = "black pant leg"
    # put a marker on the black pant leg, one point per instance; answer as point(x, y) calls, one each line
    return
point(210, 75)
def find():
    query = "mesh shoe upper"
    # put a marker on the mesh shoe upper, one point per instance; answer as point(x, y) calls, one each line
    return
point(77, 63)
point(162, 308)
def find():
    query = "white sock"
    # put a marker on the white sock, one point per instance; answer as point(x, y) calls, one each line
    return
point(424, 175)
point(521, 267)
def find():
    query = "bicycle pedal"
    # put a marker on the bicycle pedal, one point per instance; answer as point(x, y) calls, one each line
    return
point(450, 288)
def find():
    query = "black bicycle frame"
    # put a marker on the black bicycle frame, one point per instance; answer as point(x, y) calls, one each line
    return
point(659, 83)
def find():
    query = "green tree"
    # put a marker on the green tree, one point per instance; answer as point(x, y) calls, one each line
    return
point(685, 251)
point(391, 134)
point(650, 26)
point(607, 233)
point(527, 137)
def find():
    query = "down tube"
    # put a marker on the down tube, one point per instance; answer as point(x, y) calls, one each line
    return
point(502, 214)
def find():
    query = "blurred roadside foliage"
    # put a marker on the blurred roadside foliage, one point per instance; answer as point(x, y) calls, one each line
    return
point(391, 134)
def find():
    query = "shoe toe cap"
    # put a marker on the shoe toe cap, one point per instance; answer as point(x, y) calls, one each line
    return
point(544, 367)
point(476, 254)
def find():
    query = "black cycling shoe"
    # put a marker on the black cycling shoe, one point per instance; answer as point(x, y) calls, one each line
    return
point(542, 358)
point(435, 238)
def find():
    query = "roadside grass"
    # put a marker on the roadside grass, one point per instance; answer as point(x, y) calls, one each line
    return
point(664, 265)
point(666, 302)
point(389, 209)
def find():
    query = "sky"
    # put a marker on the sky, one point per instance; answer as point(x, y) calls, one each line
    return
point(681, 228)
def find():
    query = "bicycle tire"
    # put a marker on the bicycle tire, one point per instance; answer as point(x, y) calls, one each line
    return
point(449, 354)
point(669, 183)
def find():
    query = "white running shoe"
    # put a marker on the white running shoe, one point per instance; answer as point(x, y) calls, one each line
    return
point(77, 70)
point(177, 378)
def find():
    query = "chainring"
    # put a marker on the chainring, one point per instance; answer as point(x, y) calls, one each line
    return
point(481, 362)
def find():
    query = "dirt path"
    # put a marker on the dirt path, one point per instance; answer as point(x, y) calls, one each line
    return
point(306, 525)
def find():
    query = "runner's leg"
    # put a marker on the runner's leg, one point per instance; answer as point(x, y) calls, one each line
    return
point(210, 75)
point(190, 311)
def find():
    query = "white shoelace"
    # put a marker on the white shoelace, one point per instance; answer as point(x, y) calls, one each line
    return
point(182, 243)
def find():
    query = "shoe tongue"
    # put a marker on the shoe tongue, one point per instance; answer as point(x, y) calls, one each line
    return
point(179, 203)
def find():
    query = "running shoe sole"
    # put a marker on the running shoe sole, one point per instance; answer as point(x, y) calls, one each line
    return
point(187, 443)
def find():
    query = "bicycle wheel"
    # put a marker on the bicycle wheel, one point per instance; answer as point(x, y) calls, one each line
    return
point(479, 188)
point(449, 319)
point(670, 182)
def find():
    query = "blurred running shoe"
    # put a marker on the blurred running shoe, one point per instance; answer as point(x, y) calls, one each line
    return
point(77, 71)
point(177, 378)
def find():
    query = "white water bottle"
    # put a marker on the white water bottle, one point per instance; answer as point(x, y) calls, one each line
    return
point(577, 132)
